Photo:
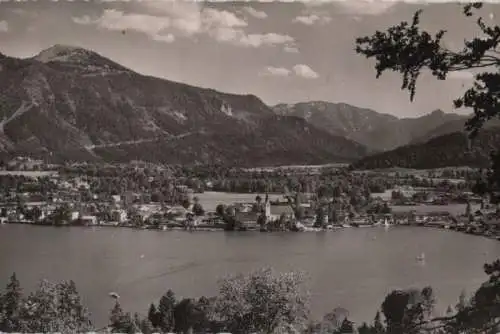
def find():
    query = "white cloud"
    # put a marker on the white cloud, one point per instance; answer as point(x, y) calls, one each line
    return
point(85, 19)
point(305, 71)
point(4, 26)
point(291, 49)
point(174, 18)
point(168, 38)
point(299, 70)
point(116, 20)
point(271, 39)
point(359, 7)
point(275, 71)
point(312, 19)
point(255, 13)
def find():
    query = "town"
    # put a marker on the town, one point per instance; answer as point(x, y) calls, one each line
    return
point(151, 196)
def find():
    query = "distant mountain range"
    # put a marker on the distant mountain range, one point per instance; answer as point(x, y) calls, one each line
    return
point(378, 132)
point(69, 103)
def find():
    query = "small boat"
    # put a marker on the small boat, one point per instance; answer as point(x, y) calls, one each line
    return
point(114, 295)
point(421, 257)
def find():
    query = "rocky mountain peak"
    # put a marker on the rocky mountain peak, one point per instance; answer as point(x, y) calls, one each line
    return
point(77, 58)
point(64, 53)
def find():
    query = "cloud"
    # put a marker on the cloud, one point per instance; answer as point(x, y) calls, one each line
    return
point(299, 70)
point(291, 49)
point(312, 19)
point(115, 20)
point(168, 38)
point(305, 71)
point(4, 26)
point(359, 7)
point(275, 71)
point(166, 20)
point(85, 19)
point(255, 13)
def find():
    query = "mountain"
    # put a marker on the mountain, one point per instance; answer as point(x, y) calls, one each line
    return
point(69, 103)
point(377, 131)
point(457, 125)
point(449, 150)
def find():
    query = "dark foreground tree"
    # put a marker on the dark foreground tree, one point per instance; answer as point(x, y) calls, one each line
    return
point(409, 50)
point(10, 306)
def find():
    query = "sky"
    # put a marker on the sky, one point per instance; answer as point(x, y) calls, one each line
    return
point(282, 52)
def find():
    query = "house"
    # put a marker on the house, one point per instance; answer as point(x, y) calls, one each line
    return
point(247, 220)
point(116, 198)
point(74, 215)
point(119, 215)
point(88, 220)
point(274, 212)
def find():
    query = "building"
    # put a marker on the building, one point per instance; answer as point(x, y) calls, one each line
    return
point(274, 212)
point(247, 220)
point(119, 215)
point(88, 220)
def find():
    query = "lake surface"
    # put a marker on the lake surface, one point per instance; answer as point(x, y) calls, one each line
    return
point(351, 268)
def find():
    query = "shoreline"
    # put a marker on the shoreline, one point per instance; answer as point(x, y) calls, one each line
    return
point(450, 227)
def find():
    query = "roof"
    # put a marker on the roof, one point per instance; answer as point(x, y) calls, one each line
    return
point(246, 216)
point(281, 209)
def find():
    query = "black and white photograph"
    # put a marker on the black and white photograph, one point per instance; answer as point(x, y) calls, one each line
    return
point(250, 167)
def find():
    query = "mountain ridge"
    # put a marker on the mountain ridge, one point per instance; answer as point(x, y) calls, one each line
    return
point(379, 132)
point(65, 101)
point(448, 150)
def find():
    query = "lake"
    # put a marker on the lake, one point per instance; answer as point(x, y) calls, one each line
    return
point(351, 268)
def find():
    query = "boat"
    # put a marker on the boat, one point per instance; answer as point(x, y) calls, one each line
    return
point(386, 223)
point(421, 257)
point(114, 295)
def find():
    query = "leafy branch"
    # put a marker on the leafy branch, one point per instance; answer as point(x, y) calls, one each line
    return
point(407, 49)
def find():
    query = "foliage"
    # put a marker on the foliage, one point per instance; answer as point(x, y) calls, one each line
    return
point(166, 308)
point(10, 306)
point(262, 301)
point(54, 308)
point(407, 49)
point(405, 311)
point(121, 322)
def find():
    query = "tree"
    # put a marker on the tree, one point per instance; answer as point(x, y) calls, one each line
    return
point(10, 305)
point(62, 215)
point(121, 322)
point(54, 308)
point(166, 309)
point(184, 315)
point(220, 210)
point(378, 327)
point(153, 315)
point(198, 208)
point(320, 217)
point(406, 311)
point(186, 203)
point(262, 301)
point(407, 49)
